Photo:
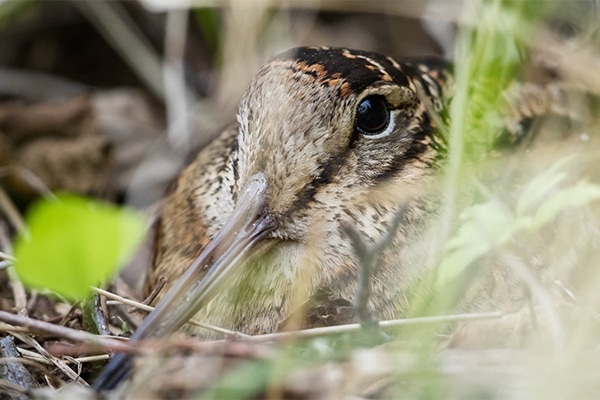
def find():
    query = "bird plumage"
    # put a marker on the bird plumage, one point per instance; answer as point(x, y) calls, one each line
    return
point(296, 124)
point(251, 232)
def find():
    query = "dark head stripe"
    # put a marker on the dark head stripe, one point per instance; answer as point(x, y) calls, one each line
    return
point(351, 70)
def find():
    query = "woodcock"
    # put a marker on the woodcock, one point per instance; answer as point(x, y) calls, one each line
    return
point(252, 230)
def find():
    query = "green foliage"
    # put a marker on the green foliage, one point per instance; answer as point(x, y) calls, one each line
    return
point(489, 225)
point(489, 59)
point(541, 185)
point(244, 382)
point(73, 242)
point(251, 378)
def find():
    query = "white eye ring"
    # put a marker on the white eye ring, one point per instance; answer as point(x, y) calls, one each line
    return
point(388, 129)
point(374, 117)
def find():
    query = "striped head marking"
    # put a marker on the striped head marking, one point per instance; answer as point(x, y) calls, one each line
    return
point(329, 119)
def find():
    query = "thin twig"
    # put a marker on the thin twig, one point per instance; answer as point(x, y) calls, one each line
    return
point(33, 180)
point(86, 359)
point(19, 293)
point(389, 236)
point(366, 257)
point(35, 361)
point(62, 331)
point(56, 361)
point(365, 261)
point(145, 307)
point(69, 315)
point(7, 256)
point(7, 328)
point(32, 355)
point(331, 330)
point(160, 284)
point(11, 212)
point(149, 345)
point(542, 297)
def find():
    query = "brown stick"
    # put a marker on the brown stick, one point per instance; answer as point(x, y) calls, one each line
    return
point(64, 332)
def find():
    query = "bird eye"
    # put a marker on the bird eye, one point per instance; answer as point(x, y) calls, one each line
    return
point(373, 116)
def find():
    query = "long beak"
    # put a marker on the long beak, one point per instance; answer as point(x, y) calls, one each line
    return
point(249, 223)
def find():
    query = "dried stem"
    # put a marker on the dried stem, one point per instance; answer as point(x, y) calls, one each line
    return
point(145, 307)
point(366, 257)
point(19, 293)
point(331, 330)
point(54, 360)
point(60, 331)
point(11, 212)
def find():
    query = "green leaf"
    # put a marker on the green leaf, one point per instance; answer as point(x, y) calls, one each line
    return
point(73, 242)
point(483, 227)
point(574, 196)
point(541, 185)
point(489, 225)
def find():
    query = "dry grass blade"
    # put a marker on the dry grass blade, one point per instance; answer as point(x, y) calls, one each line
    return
point(74, 376)
point(63, 332)
point(19, 294)
point(6, 256)
point(146, 307)
point(348, 328)
point(31, 355)
point(9, 209)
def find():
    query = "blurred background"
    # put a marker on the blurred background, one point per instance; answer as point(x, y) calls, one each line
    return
point(108, 97)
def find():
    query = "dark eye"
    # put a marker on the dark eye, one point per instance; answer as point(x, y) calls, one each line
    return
point(372, 115)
